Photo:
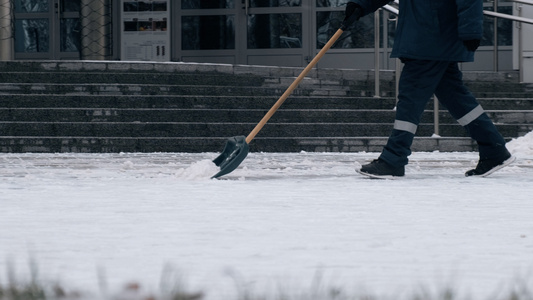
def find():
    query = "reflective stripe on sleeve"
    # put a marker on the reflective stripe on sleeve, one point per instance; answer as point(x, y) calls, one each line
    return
point(471, 116)
point(405, 126)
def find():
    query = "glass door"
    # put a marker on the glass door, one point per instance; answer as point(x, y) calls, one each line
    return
point(47, 29)
point(69, 37)
point(207, 31)
point(263, 32)
point(277, 32)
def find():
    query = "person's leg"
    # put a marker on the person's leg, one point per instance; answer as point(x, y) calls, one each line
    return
point(464, 107)
point(418, 82)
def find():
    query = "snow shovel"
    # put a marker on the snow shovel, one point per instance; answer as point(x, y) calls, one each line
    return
point(236, 148)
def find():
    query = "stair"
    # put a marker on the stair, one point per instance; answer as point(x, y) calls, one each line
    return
point(79, 106)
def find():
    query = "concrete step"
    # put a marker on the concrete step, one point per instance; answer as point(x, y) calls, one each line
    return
point(59, 77)
point(193, 115)
point(192, 101)
point(206, 129)
point(310, 87)
point(229, 102)
point(50, 144)
point(237, 115)
point(151, 89)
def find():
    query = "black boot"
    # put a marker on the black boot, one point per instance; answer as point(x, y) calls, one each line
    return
point(485, 167)
point(378, 168)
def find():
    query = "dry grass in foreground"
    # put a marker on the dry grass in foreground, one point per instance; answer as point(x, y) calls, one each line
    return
point(173, 289)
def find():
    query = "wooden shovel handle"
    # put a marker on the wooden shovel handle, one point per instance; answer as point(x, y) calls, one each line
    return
point(293, 86)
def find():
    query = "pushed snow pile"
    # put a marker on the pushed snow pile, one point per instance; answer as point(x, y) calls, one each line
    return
point(522, 145)
point(203, 169)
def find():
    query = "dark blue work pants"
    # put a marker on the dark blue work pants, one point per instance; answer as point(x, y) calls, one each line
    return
point(421, 79)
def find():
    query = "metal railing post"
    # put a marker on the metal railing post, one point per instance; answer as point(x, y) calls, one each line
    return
point(376, 55)
point(436, 120)
point(397, 77)
point(394, 11)
point(495, 56)
point(520, 45)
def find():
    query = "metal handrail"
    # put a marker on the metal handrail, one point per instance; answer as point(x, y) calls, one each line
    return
point(395, 11)
point(524, 1)
point(508, 17)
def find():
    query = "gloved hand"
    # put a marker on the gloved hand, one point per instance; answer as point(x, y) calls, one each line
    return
point(472, 45)
point(352, 13)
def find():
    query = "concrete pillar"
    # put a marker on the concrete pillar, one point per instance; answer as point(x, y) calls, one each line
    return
point(6, 31)
point(527, 45)
point(96, 24)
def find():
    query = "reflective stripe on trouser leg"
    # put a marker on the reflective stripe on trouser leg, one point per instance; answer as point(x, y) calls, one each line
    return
point(405, 126)
point(491, 144)
point(471, 116)
point(398, 146)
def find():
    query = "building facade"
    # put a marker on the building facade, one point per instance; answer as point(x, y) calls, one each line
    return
point(258, 32)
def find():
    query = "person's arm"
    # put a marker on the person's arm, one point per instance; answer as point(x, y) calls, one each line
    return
point(470, 22)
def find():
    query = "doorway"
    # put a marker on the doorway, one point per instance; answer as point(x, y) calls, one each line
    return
point(47, 29)
point(263, 32)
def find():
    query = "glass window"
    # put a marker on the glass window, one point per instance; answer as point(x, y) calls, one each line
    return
point(200, 4)
point(25, 6)
point(131, 6)
point(70, 5)
point(207, 32)
point(274, 31)
point(505, 28)
point(331, 3)
point(32, 35)
point(360, 35)
point(159, 6)
point(70, 35)
point(275, 3)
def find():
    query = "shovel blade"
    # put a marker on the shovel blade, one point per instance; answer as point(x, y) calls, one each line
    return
point(234, 153)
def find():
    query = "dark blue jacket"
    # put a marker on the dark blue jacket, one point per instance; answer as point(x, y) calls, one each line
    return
point(433, 29)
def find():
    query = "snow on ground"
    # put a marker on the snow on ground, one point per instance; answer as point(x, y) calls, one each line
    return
point(278, 222)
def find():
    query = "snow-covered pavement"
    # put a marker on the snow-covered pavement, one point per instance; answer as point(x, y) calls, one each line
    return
point(276, 222)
